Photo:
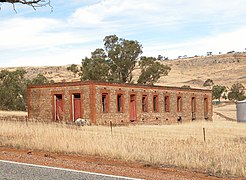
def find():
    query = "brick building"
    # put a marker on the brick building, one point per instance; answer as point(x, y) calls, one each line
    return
point(101, 103)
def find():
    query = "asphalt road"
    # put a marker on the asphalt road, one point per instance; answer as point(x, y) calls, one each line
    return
point(20, 171)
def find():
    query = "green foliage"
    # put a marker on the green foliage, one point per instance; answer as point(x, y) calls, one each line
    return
point(13, 90)
point(122, 55)
point(151, 70)
point(208, 82)
point(96, 68)
point(186, 87)
point(237, 92)
point(74, 69)
point(114, 63)
point(224, 96)
point(117, 60)
point(217, 91)
point(40, 79)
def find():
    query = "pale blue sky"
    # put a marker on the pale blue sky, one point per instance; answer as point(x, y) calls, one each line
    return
point(166, 27)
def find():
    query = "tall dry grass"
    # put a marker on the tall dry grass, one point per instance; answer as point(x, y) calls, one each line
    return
point(223, 153)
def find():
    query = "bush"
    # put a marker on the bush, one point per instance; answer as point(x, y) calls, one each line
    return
point(217, 91)
point(13, 94)
point(208, 82)
point(237, 92)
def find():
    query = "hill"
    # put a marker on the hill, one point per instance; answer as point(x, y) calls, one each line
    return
point(225, 69)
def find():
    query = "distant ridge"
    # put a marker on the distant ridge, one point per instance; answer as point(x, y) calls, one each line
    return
point(224, 69)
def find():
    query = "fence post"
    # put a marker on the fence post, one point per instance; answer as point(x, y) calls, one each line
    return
point(26, 121)
point(204, 135)
point(111, 126)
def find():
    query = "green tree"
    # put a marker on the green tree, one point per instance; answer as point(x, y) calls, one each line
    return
point(208, 82)
point(74, 69)
point(237, 92)
point(224, 96)
point(186, 86)
point(116, 62)
point(151, 70)
point(40, 79)
point(96, 68)
point(13, 93)
point(217, 91)
point(122, 55)
point(160, 57)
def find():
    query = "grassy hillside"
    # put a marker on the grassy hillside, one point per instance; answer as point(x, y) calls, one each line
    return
point(222, 69)
point(225, 69)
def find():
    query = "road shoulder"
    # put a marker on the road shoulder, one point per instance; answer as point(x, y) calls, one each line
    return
point(100, 165)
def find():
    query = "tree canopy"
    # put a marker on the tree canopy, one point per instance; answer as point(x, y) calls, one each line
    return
point(13, 91)
point(39, 79)
point(237, 92)
point(96, 68)
point(152, 70)
point(74, 69)
point(208, 82)
point(117, 60)
point(217, 91)
point(122, 55)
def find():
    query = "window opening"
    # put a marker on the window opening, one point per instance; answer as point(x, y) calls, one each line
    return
point(144, 103)
point(104, 103)
point(120, 103)
point(155, 101)
point(167, 106)
point(193, 104)
point(193, 108)
point(206, 108)
point(76, 95)
point(179, 99)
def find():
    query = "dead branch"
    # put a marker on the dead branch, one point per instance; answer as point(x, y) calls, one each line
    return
point(32, 3)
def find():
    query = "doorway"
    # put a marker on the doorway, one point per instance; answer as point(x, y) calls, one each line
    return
point(76, 106)
point(58, 107)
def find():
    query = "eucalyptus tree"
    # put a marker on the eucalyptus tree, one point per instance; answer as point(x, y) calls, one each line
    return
point(117, 61)
point(122, 55)
point(151, 70)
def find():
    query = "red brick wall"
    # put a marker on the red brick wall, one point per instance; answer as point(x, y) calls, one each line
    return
point(41, 103)
point(150, 116)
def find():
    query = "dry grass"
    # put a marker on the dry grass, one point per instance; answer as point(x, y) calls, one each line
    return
point(13, 113)
point(223, 153)
point(228, 110)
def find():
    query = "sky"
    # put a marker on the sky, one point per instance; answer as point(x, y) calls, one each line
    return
point(75, 28)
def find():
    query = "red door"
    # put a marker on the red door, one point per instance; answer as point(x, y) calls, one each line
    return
point(132, 107)
point(59, 109)
point(77, 108)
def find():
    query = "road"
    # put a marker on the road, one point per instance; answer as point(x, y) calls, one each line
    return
point(10, 170)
